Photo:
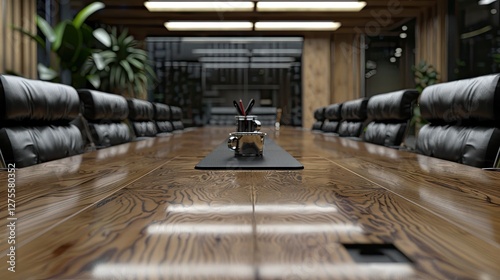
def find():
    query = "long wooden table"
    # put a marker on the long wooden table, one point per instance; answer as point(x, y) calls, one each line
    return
point(141, 211)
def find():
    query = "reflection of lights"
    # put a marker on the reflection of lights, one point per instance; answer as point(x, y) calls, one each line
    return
point(173, 270)
point(200, 228)
point(301, 228)
point(404, 27)
point(493, 11)
point(147, 143)
point(204, 228)
point(403, 35)
point(240, 209)
point(112, 151)
point(382, 151)
point(397, 54)
point(392, 59)
point(239, 271)
point(399, 50)
point(338, 271)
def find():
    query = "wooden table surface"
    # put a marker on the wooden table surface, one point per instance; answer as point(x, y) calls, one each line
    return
point(141, 211)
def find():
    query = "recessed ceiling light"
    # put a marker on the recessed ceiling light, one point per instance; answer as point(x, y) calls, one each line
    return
point(221, 51)
point(206, 6)
point(223, 59)
point(486, 2)
point(337, 6)
point(290, 52)
point(209, 25)
point(297, 25)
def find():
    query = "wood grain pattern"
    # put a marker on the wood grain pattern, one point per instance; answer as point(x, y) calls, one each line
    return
point(431, 27)
point(316, 75)
point(52, 192)
point(465, 195)
point(175, 222)
point(345, 77)
point(17, 52)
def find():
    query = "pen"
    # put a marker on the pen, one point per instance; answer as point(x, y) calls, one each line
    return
point(237, 107)
point(242, 109)
point(249, 106)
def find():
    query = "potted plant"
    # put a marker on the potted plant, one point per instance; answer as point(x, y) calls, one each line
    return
point(121, 65)
point(71, 41)
point(425, 75)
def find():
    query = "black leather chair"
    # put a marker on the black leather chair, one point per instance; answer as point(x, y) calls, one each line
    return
point(319, 116)
point(176, 117)
point(353, 118)
point(35, 121)
point(105, 114)
point(464, 121)
point(333, 117)
point(163, 118)
point(141, 115)
point(390, 114)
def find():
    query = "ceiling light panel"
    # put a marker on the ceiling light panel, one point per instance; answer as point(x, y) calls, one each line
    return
point(198, 6)
point(209, 25)
point(297, 25)
point(331, 6)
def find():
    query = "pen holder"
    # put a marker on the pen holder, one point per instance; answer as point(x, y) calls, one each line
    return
point(246, 144)
point(247, 124)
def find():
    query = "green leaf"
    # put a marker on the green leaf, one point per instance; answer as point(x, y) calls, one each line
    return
point(35, 37)
point(86, 12)
point(46, 29)
point(94, 80)
point(69, 44)
point(103, 37)
point(98, 60)
point(46, 73)
point(128, 70)
point(136, 63)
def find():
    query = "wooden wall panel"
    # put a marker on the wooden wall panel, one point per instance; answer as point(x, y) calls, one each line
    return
point(315, 75)
point(2, 36)
point(432, 39)
point(346, 82)
point(18, 52)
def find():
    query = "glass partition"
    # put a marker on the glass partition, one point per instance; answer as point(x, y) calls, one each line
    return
point(201, 73)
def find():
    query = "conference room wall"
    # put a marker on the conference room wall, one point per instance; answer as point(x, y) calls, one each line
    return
point(17, 52)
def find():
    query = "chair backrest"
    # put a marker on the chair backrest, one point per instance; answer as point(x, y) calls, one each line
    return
point(106, 114)
point(353, 117)
point(141, 115)
point(319, 116)
point(389, 114)
point(333, 117)
point(176, 113)
point(35, 121)
point(162, 118)
point(464, 121)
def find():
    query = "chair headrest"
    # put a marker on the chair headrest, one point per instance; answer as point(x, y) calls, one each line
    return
point(103, 106)
point(319, 114)
point(333, 112)
point(476, 99)
point(140, 110)
point(23, 99)
point(354, 110)
point(392, 106)
point(162, 112)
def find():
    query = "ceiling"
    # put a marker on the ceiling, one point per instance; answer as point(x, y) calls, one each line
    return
point(384, 14)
